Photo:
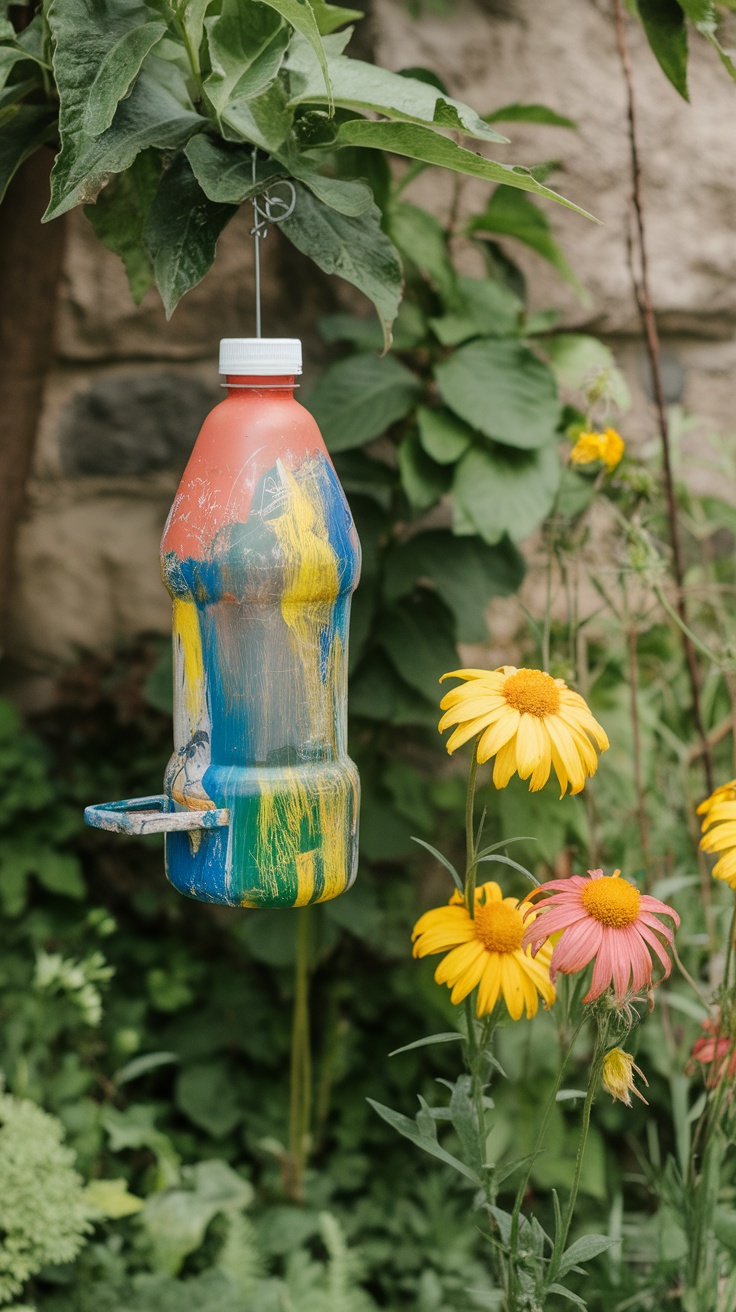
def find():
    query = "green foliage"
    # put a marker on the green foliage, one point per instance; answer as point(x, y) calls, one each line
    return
point(44, 1212)
point(665, 23)
point(151, 97)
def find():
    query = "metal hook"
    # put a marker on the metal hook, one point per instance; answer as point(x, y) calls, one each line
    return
point(267, 210)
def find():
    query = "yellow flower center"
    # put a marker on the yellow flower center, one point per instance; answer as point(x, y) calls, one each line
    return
point(612, 901)
point(499, 927)
point(532, 691)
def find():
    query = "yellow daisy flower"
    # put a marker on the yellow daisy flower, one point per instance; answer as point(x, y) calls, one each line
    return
point(618, 1076)
point(486, 952)
point(719, 811)
point(529, 721)
point(608, 446)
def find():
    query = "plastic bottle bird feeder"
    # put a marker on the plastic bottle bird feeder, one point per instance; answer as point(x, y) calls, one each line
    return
point(261, 557)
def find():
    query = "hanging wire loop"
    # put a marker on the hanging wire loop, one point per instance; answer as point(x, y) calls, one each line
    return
point(269, 207)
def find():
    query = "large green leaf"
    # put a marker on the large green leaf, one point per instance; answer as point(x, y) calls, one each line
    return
point(24, 129)
point(356, 248)
point(417, 142)
point(466, 573)
point(182, 232)
point(481, 307)
point(176, 1219)
point(417, 636)
point(247, 44)
point(510, 213)
point(356, 85)
point(499, 491)
point(225, 171)
point(501, 388)
point(301, 16)
point(359, 398)
point(423, 480)
point(444, 437)
point(117, 73)
point(120, 215)
point(420, 237)
point(151, 116)
point(664, 24)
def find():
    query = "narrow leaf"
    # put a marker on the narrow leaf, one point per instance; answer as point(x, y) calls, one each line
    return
point(510, 213)
point(330, 17)
point(506, 861)
point(568, 1294)
point(417, 142)
point(584, 1250)
point(354, 247)
point(664, 24)
point(420, 1136)
point(117, 73)
point(182, 232)
point(446, 1037)
point(529, 113)
point(443, 861)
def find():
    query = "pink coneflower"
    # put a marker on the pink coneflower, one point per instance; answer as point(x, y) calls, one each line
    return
point(606, 918)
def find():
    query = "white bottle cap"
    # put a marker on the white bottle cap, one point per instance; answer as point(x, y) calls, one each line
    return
point(260, 356)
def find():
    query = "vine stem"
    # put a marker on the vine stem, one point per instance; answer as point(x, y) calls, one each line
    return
point(643, 297)
point(596, 1067)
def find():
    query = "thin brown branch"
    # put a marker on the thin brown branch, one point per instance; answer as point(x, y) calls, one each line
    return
point(641, 814)
point(651, 336)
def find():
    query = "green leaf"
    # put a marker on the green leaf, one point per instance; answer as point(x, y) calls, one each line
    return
point(112, 1199)
point(24, 129)
point(704, 15)
point(120, 215)
point(578, 360)
point(482, 307)
point(247, 44)
point(584, 1250)
point(444, 437)
point(330, 17)
point(142, 1065)
point(450, 1036)
point(361, 86)
point(501, 388)
point(224, 171)
point(9, 57)
point(301, 16)
point(664, 24)
point(355, 248)
point(466, 573)
point(421, 1134)
point(420, 238)
point(359, 398)
point(151, 116)
point(501, 491)
point(182, 232)
point(529, 113)
point(423, 481)
point(410, 329)
point(377, 692)
point(443, 862)
point(567, 1294)
point(422, 143)
point(510, 213)
point(417, 637)
point(117, 73)
point(349, 198)
point(205, 1094)
point(60, 872)
point(176, 1220)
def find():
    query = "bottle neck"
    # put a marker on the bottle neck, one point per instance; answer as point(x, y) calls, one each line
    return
point(273, 384)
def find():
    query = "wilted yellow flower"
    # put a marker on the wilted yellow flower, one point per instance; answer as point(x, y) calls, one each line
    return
point(486, 951)
point(607, 446)
point(618, 1076)
point(529, 721)
point(719, 810)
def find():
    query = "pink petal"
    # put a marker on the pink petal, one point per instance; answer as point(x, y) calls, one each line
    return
point(565, 885)
point(560, 918)
point(659, 908)
point(654, 942)
point(641, 965)
point(577, 947)
point(621, 961)
point(602, 970)
point(648, 919)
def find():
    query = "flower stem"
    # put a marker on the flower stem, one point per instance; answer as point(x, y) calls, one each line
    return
point(596, 1067)
point(301, 1061)
point(471, 863)
point(729, 948)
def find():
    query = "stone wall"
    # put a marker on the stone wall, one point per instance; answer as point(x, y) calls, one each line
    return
point(128, 391)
